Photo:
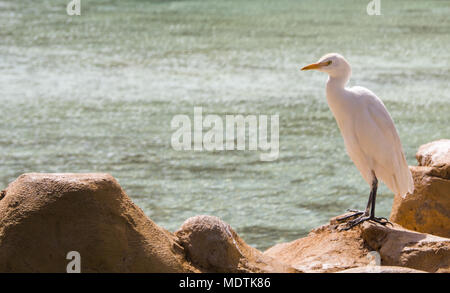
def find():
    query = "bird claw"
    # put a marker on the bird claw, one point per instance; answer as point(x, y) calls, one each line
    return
point(362, 219)
point(355, 222)
point(380, 221)
point(355, 214)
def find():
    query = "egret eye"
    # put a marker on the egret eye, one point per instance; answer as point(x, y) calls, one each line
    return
point(329, 62)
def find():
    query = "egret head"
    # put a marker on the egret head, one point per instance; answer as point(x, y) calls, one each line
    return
point(333, 64)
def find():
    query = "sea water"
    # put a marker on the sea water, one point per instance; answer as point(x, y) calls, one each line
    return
point(97, 93)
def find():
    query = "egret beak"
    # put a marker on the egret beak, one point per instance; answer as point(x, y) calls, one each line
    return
point(315, 66)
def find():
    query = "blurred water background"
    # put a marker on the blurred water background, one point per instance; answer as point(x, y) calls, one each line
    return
point(97, 92)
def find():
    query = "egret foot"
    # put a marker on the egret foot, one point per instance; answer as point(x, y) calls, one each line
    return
point(356, 213)
point(383, 221)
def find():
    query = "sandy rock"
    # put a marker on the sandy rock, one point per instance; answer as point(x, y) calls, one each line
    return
point(44, 216)
point(323, 250)
point(428, 208)
point(328, 249)
point(436, 154)
point(213, 246)
point(381, 269)
point(398, 246)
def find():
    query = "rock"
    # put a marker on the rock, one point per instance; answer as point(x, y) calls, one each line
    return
point(213, 246)
point(328, 249)
point(381, 269)
point(44, 216)
point(398, 246)
point(436, 154)
point(428, 208)
point(323, 250)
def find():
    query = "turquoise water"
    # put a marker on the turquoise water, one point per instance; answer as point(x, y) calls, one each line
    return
point(97, 92)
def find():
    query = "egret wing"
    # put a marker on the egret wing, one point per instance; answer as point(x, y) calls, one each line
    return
point(379, 139)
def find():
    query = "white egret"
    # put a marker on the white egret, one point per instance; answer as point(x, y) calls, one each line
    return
point(369, 134)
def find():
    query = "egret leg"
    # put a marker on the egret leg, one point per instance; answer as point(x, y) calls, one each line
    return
point(372, 210)
point(357, 213)
point(366, 216)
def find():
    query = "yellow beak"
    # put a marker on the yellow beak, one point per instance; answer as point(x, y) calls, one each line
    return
point(315, 66)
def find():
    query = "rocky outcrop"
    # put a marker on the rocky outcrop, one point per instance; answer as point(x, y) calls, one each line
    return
point(398, 246)
point(428, 208)
point(329, 249)
point(323, 250)
point(44, 216)
point(213, 246)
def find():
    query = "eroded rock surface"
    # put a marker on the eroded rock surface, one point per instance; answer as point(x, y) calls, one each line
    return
point(428, 208)
point(328, 249)
point(44, 216)
point(213, 246)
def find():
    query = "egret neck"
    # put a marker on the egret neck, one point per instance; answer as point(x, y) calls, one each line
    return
point(336, 97)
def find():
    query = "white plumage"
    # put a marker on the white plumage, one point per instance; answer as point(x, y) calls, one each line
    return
point(370, 137)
